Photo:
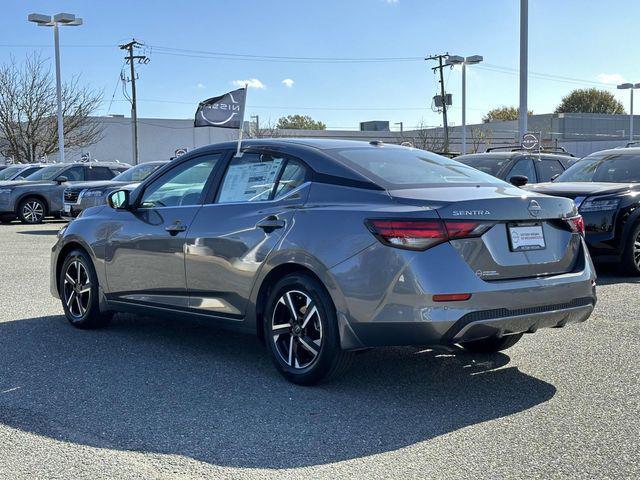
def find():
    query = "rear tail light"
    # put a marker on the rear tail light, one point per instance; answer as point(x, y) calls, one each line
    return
point(576, 224)
point(423, 234)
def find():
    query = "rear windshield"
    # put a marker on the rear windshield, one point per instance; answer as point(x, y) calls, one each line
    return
point(485, 163)
point(613, 168)
point(393, 168)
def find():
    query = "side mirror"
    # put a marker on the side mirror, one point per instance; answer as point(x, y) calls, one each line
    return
point(518, 180)
point(62, 179)
point(119, 200)
point(555, 176)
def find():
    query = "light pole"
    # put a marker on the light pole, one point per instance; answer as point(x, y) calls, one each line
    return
point(631, 87)
point(65, 19)
point(524, 67)
point(464, 61)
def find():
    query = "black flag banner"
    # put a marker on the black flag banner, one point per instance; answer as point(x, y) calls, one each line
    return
point(225, 111)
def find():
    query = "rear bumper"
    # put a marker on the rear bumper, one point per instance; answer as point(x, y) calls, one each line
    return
point(398, 308)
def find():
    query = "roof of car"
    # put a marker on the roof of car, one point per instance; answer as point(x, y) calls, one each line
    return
point(619, 151)
point(518, 153)
point(318, 143)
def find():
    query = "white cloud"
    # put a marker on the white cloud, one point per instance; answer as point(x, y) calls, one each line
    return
point(288, 82)
point(201, 85)
point(610, 78)
point(252, 83)
point(391, 1)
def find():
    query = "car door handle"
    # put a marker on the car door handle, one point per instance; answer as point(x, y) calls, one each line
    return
point(176, 228)
point(270, 224)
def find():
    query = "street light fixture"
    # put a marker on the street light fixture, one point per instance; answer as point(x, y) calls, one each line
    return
point(631, 87)
point(464, 61)
point(64, 19)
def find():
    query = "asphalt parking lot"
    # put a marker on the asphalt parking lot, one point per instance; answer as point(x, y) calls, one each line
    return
point(148, 398)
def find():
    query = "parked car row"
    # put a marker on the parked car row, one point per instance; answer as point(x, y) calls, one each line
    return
point(605, 187)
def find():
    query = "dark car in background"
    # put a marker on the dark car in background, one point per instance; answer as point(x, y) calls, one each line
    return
point(83, 195)
point(40, 194)
point(19, 171)
point(606, 188)
point(516, 163)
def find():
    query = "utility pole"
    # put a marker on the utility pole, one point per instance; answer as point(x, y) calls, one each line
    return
point(440, 67)
point(131, 58)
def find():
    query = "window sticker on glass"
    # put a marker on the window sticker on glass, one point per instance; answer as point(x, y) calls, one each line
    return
point(249, 181)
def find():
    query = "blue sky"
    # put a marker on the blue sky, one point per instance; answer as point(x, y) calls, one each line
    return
point(584, 40)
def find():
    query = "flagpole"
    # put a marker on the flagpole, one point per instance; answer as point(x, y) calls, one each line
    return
point(246, 90)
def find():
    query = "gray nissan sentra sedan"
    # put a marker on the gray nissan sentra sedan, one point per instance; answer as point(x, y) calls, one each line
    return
point(325, 247)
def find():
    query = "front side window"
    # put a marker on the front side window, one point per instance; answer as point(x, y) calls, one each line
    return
point(392, 167)
point(549, 168)
point(250, 178)
point(99, 173)
point(524, 167)
point(485, 162)
point(613, 168)
point(181, 186)
point(74, 174)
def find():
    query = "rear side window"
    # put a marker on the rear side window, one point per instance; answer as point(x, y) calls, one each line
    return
point(524, 167)
point(293, 175)
point(548, 169)
point(250, 178)
point(99, 173)
point(393, 167)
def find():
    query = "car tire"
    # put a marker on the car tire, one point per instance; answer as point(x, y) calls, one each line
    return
point(305, 345)
point(492, 344)
point(631, 255)
point(32, 211)
point(78, 287)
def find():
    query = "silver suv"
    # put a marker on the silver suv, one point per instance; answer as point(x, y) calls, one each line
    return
point(40, 194)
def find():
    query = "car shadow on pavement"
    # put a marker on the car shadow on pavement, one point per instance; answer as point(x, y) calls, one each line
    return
point(185, 388)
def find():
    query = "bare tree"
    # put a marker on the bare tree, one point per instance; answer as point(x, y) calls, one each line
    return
point(426, 138)
point(480, 136)
point(267, 130)
point(28, 109)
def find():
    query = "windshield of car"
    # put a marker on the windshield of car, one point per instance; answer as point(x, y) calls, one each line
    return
point(47, 173)
point(9, 172)
point(137, 173)
point(485, 163)
point(611, 168)
point(411, 168)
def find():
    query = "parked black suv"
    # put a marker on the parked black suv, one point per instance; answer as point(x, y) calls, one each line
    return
point(606, 188)
point(515, 163)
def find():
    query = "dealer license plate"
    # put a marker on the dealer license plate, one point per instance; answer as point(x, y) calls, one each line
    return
point(526, 237)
